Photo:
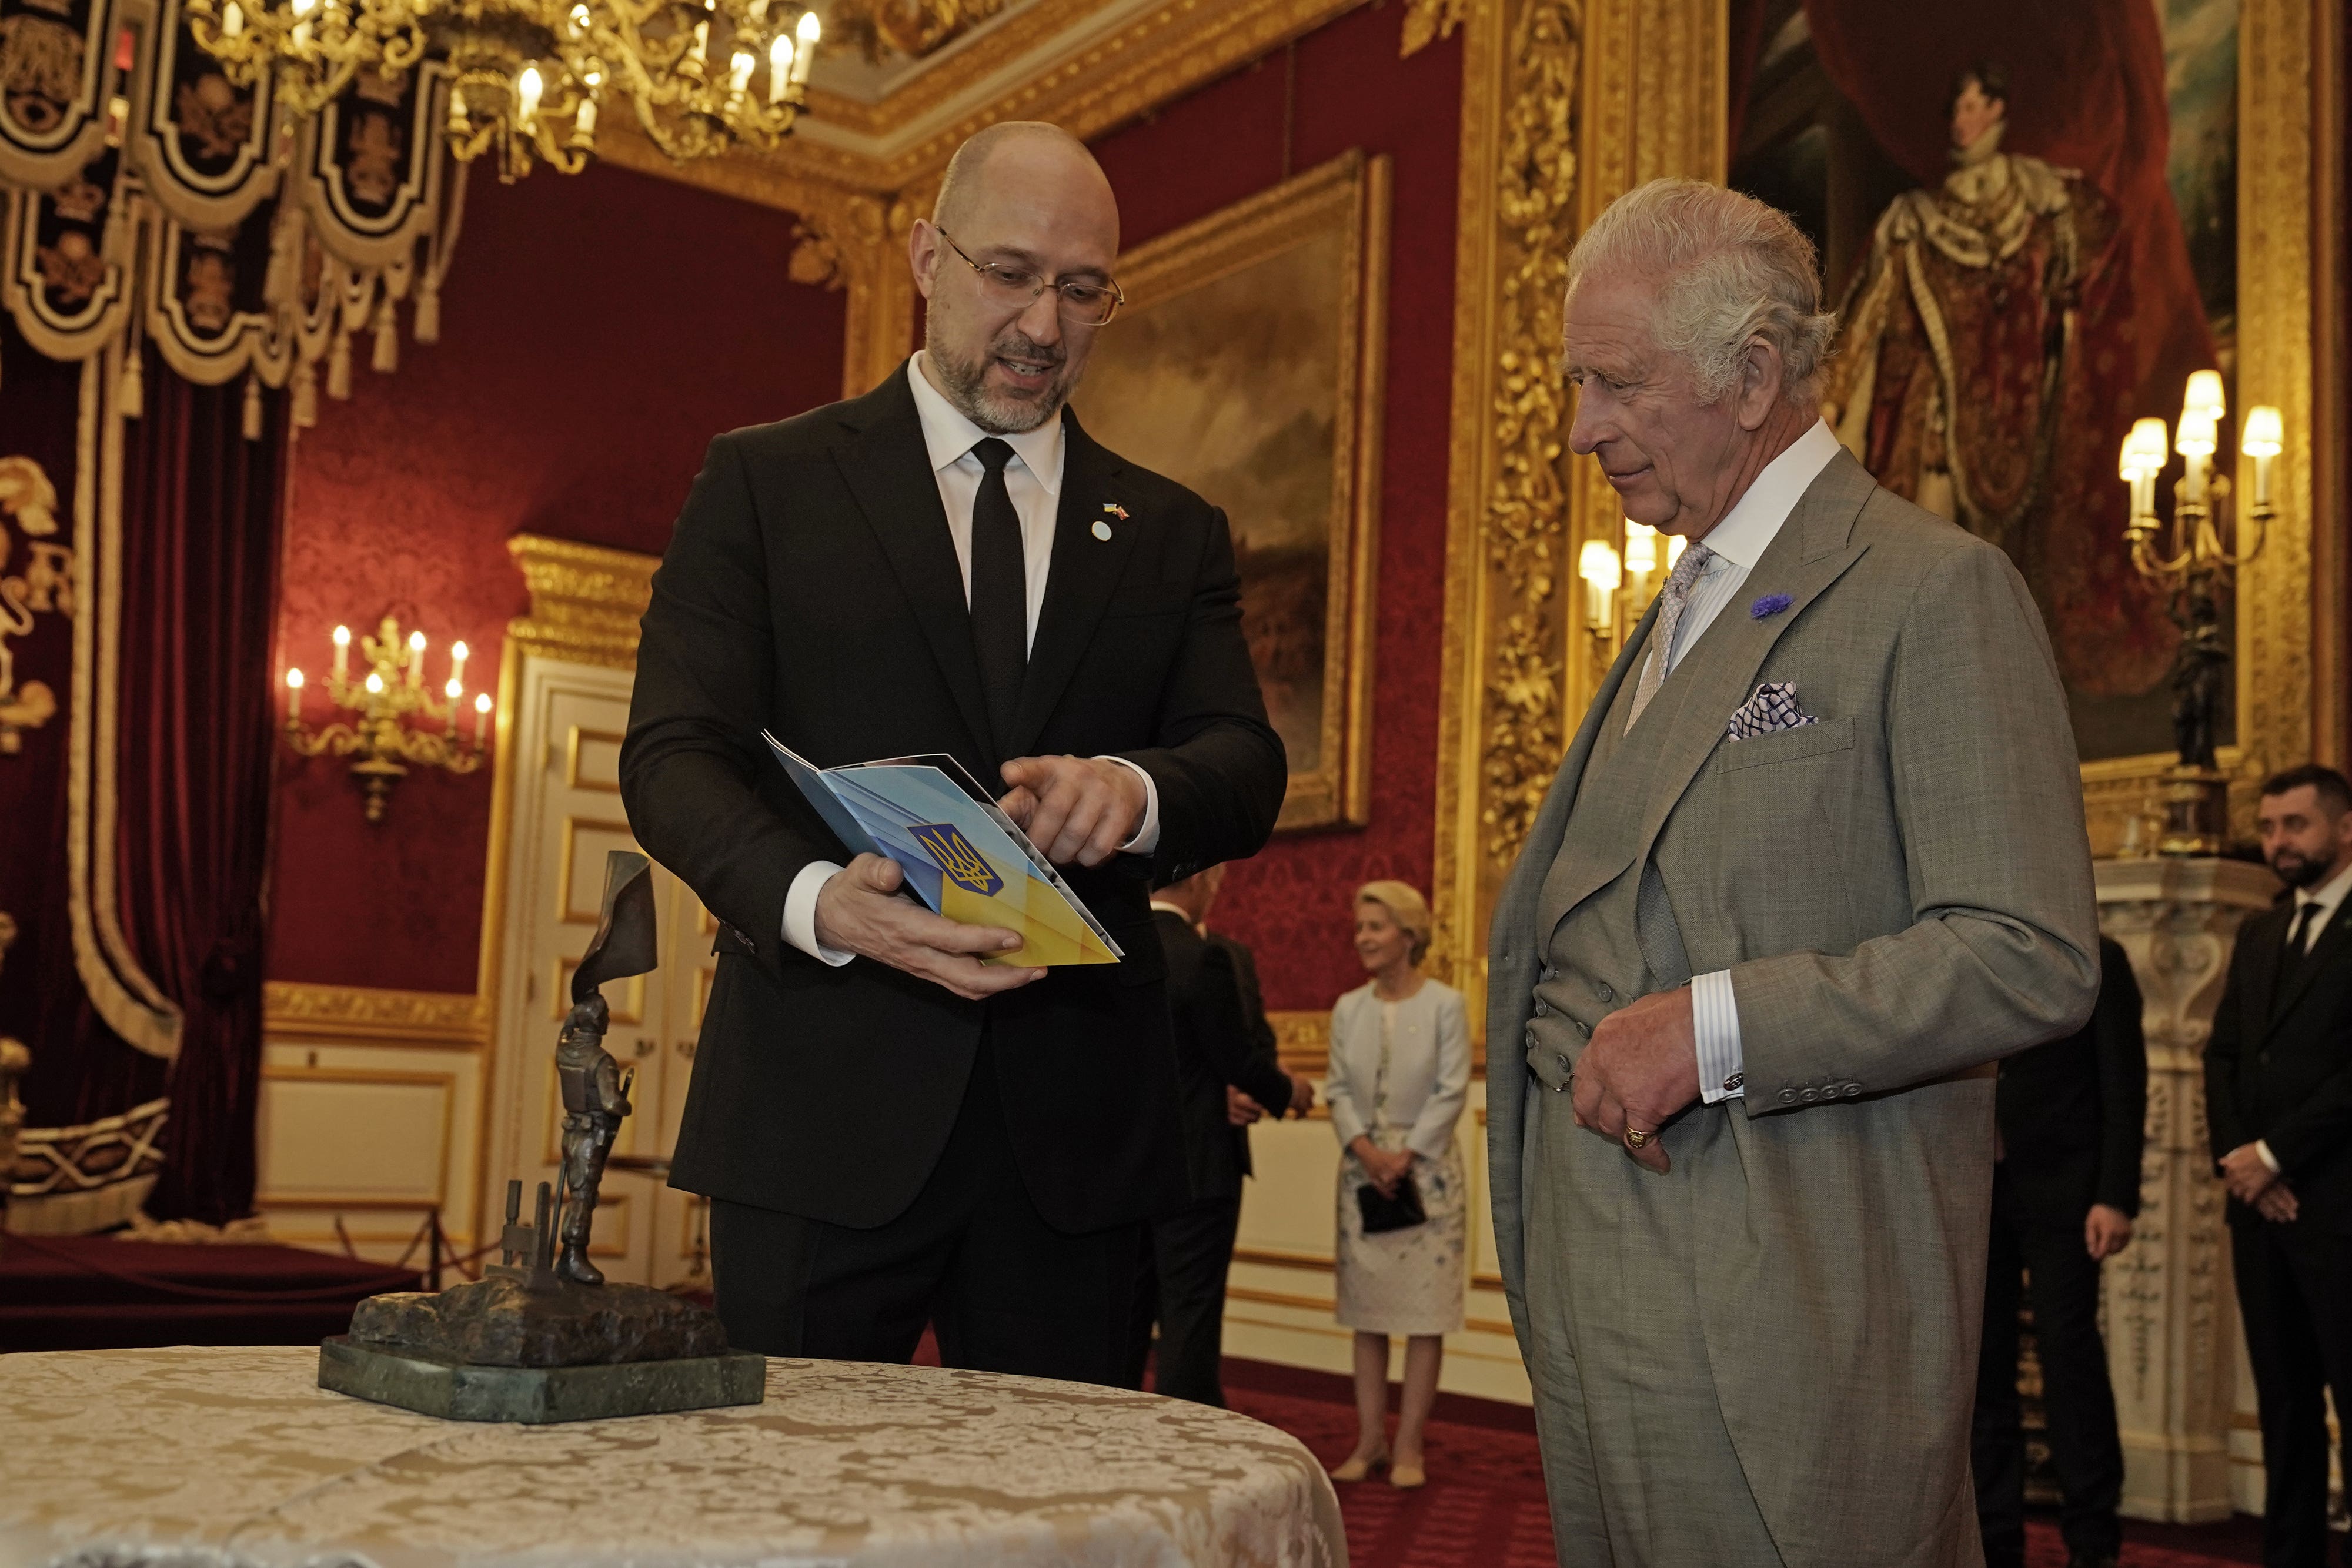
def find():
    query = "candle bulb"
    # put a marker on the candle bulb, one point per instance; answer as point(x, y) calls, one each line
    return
point(528, 87)
point(701, 43)
point(779, 68)
point(342, 652)
point(481, 717)
point(293, 696)
point(739, 72)
point(2263, 438)
point(456, 665)
point(374, 684)
point(804, 58)
point(1603, 575)
point(232, 20)
point(416, 658)
point(452, 691)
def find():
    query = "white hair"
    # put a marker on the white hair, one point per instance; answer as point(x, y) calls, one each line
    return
point(1730, 269)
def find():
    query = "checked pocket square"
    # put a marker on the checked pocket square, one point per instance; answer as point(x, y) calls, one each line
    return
point(1772, 708)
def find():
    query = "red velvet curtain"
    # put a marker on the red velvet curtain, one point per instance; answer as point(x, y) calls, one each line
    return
point(201, 510)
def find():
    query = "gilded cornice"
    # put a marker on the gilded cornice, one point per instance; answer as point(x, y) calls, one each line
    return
point(993, 49)
point(362, 1013)
point(585, 601)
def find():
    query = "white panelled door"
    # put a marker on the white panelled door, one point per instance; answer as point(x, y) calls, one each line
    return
point(568, 721)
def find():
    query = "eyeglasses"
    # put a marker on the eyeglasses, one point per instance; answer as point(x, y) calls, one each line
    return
point(1017, 288)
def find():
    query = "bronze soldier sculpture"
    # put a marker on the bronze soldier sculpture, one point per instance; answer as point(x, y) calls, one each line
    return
point(542, 1336)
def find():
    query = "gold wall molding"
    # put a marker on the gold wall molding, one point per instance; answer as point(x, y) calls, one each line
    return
point(1302, 1041)
point(366, 1015)
point(585, 601)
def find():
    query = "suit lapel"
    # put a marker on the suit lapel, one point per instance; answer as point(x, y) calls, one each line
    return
point(1684, 721)
point(2335, 943)
point(889, 470)
point(1079, 587)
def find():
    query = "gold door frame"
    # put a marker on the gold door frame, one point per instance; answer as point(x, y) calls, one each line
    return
point(1565, 106)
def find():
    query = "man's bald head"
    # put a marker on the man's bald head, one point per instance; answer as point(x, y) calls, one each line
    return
point(1024, 209)
point(1024, 150)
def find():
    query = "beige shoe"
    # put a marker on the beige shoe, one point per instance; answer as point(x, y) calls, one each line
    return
point(1357, 1467)
point(1407, 1477)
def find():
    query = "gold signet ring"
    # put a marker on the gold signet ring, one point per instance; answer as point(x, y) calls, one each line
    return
point(1636, 1139)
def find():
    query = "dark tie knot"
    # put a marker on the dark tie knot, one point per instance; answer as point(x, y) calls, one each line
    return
point(993, 452)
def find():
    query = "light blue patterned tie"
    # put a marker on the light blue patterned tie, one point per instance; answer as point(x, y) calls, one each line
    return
point(1672, 600)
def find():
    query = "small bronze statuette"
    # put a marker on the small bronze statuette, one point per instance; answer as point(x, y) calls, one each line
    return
point(542, 1336)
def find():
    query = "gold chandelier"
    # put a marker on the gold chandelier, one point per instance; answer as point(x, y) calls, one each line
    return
point(531, 77)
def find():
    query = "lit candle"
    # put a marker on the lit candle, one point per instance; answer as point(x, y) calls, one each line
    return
point(456, 667)
point(481, 717)
point(232, 20)
point(342, 652)
point(583, 125)
point(779, 68)
point(739, 72)
point(416, 658)
point(2143, 459)
point(293, 696)
point(374, 684)
point(452, 691)
point(810, 29)
point(2264, 438)
point(2195, 442)
point(528, 88)
point(1599, 566)
point(701, 42)
point(302, 9)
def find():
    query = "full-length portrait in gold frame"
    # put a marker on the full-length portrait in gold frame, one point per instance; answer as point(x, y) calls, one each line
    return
point(1568, 105)
point(1292, 281)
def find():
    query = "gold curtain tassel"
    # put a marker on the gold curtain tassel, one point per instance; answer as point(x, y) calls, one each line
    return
point(130, 390)
point(339, 366)
point(252, 406)
point(306, 396)
point(427, 325)
point(387, 338)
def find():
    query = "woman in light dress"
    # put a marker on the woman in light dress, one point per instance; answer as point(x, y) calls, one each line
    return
point(1400, 1076)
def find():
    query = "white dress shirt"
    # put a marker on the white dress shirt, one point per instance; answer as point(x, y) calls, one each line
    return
point(1738, 542)
point(1033, 480)
point(2329, 896)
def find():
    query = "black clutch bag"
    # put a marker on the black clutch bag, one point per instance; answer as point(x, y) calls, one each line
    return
point(1401, 1212)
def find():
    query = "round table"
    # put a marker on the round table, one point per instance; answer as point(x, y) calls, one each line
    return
point(229, 1458)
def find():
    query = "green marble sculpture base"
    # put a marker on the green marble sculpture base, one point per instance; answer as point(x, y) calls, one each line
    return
point(433, 1385)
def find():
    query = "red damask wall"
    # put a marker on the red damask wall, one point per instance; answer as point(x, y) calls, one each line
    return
point(597, 332)
point(1342, 86)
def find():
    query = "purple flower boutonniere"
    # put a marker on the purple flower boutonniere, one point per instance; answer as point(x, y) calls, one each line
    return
point(1771, 604)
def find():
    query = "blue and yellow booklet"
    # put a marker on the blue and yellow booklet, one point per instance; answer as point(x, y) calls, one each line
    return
point(964, 858)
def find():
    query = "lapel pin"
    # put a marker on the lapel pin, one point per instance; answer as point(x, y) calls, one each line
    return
point(1102, 529)
point(1771, 604)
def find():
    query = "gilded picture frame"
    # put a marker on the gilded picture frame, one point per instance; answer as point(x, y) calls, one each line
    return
point(1248, 365)
point(1565, 107)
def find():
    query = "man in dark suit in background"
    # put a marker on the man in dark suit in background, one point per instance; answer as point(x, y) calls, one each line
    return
point(892, 1130)
point(2069, 1116)
point(2278, 1097)
point(1224, 1048)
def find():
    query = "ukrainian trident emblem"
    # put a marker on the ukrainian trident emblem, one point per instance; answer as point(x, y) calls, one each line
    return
point(953, 853)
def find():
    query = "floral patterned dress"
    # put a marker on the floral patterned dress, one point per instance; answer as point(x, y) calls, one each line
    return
point(1417, 1052)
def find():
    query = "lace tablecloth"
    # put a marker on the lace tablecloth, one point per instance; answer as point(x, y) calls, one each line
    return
point(234, 1458)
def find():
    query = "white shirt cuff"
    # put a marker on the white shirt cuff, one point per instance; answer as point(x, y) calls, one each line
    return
point(1147, 834)
point(1714, 1022)
point(2263, 1147)
point(800, 912)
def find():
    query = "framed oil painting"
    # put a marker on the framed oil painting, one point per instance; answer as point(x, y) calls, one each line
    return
point(1247, 364)
point(2028, 216)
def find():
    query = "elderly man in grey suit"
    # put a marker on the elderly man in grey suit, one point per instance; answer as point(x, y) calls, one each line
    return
point(1815, 860)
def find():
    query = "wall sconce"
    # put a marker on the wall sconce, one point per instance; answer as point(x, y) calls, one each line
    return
point(1619, 586)
point(380, 738)
point(1603, 574)
point(2207, 549)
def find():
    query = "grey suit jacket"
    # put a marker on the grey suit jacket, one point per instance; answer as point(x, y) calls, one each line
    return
point(1902, 893)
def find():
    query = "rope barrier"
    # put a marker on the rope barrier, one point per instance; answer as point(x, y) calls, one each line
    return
point(368, 1285)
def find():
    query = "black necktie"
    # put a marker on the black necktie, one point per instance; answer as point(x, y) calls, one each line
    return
point(2299, 938)
point(1000, 592)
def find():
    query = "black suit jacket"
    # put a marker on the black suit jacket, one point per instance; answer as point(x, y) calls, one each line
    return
point(2279, 1066)
point(1265, 1051)
point(1216, 1046)
point(812, 589)
point(2073, 1113)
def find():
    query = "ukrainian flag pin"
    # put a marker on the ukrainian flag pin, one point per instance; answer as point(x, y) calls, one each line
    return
point(1102, 529)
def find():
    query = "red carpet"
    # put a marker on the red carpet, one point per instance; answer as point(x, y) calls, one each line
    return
point(1484, 1505)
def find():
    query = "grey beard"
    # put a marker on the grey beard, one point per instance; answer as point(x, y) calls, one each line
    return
point(966, 388)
